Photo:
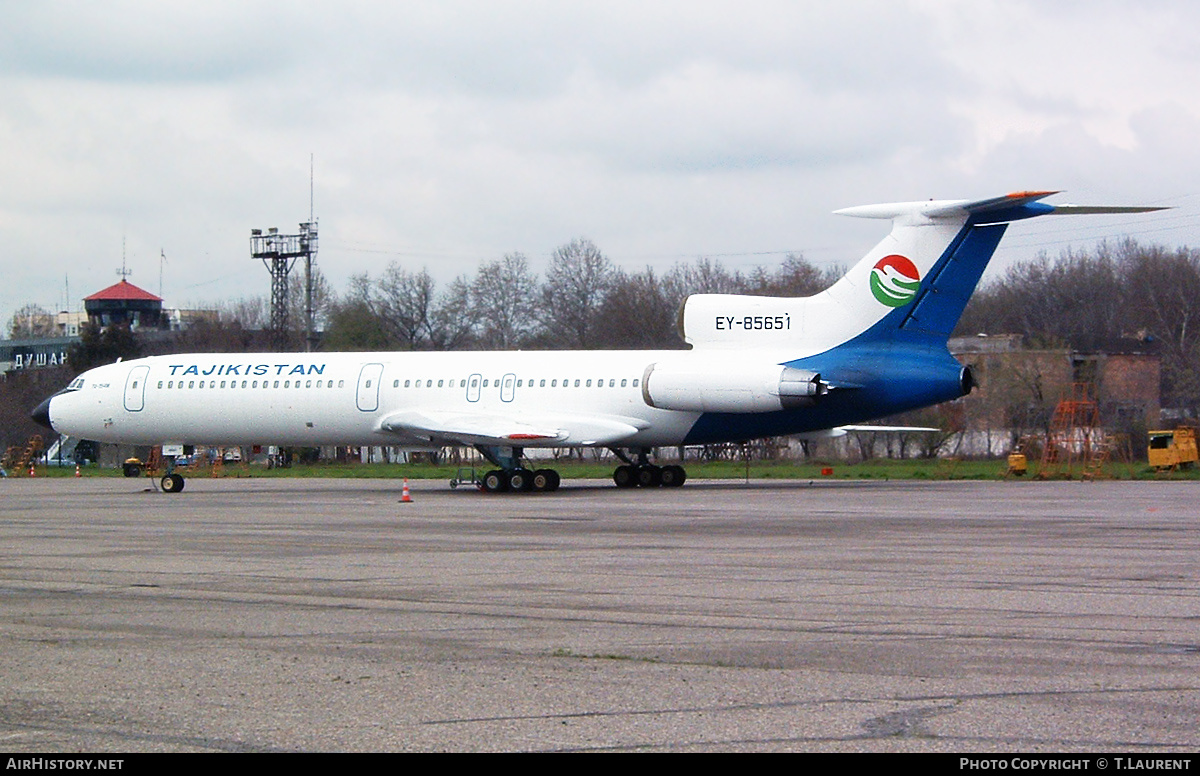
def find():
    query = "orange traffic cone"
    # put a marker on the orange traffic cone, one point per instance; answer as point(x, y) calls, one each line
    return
point(404, 497)
point(32, 473)
point(77, 474)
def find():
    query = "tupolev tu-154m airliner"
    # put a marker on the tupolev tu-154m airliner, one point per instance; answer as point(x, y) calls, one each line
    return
point(872, 344)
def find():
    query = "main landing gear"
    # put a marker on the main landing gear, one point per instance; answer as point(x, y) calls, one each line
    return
point(649, 476)
point(520, 481)
point(513, 477)
point(644, 474)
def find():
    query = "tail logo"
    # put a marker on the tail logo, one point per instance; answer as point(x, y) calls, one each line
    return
point(895, 280)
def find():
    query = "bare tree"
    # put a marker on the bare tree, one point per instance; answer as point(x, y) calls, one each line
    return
point(404, 302)
point(504, 298)
point(455, 318)
point(32, 320)
point(796, 276)
point(639, 312)
point(248, 312)
point(576, 284)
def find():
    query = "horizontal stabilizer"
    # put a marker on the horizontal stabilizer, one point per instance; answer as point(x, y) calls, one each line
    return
point(1009, 207)
point(1088, 210)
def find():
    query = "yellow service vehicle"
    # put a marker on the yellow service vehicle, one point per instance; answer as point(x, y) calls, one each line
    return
point(1170, 449)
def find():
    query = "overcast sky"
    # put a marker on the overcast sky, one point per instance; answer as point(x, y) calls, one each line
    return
point(448, 133)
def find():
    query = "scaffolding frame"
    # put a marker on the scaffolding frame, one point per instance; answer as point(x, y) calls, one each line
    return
point(1075, 442)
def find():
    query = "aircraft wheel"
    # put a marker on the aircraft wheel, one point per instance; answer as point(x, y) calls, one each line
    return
point(545, 480)
point(625, 476)
point(649, 476)
point(673, 476)
point(171, 483)
point(495, 482)
point(520, 480)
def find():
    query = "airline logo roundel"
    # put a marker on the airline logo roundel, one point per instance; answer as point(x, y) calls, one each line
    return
point(895, 280)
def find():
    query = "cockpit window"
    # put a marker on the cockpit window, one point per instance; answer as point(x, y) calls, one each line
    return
point(76, 384)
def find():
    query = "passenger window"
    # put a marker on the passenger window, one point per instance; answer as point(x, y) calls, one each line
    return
point(635, 382)
point(395, 384)
point(341, 383)
point(577, 382)
point(542, 384)
point(623, 381)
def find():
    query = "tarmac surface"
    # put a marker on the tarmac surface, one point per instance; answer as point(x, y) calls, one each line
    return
point(324, 615)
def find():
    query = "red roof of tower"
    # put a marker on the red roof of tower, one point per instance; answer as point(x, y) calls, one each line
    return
point(122, 291)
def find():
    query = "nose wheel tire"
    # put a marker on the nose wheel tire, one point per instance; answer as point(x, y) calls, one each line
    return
point(171, 483)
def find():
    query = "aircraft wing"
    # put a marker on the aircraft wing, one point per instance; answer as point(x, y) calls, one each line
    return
point(488, 429)
point(838, 431)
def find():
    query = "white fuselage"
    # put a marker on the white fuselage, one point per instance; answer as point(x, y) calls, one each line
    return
point(343, 398)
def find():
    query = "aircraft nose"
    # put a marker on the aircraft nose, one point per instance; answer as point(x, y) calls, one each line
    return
point(42, 414)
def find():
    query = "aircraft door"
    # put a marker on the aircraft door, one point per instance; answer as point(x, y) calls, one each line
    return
point(508, 387)
point(367, 395)
point(135, 388)
point(473, 387)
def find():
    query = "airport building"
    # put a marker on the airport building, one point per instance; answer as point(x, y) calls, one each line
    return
point(1019, 388)
point(124, 303)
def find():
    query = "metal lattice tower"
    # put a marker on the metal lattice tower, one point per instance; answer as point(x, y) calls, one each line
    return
point(279, 253)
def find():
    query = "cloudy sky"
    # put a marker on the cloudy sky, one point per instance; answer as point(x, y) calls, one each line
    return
point(447, 133)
